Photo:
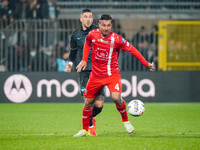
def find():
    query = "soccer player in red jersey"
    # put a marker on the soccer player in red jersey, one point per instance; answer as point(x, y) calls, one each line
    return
point(105, 70)
point(77, 41)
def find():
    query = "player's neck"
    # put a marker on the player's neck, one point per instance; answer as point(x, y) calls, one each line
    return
point(105, 36)
point(84, 28)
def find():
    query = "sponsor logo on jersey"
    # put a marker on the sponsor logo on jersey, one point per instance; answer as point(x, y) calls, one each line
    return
point(127, 43)
point(101, 54)
point(101, 40)
point(123, 40)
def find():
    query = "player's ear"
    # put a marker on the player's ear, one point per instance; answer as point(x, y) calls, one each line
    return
point(81, 17)
point(99, 24)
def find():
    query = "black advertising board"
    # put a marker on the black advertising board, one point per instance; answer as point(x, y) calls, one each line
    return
point(56, 87)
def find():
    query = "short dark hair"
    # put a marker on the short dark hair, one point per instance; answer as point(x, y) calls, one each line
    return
point(86, 10)
point(105, 17)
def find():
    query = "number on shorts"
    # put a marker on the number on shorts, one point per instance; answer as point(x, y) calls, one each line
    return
point(117, 86)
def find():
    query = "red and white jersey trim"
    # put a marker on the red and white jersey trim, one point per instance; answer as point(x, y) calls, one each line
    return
point(110, 55)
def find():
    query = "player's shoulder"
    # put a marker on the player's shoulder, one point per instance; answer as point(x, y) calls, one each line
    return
point(118, 38)
point(75, 33)
point(93, 26)
point(116, 35)
point(94, 31)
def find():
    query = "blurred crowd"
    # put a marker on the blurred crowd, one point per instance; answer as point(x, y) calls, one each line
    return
point(40, 46)
point(146, 41)
point(22, 50)
point(28, 9)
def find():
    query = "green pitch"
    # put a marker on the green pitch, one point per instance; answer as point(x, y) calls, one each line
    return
point(52, 126)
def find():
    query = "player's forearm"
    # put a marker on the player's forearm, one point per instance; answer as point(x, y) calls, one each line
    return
point(86, 51)
point(138, 55)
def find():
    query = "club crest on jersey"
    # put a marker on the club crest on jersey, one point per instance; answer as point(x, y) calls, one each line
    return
point(101, 40)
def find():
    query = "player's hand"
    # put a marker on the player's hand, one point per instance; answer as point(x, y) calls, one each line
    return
point(69, 67)
point(151, 66)
point(82, 64)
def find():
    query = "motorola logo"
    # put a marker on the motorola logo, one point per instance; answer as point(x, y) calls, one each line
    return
point(18, 88)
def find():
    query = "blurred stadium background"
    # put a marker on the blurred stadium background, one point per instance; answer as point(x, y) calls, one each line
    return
point(166, 32)
point(34, 34)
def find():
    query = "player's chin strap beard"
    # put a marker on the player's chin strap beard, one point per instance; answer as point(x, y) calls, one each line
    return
point(87, 27)
point(104, 35)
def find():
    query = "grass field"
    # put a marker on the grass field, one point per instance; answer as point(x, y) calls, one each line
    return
point(167, 126)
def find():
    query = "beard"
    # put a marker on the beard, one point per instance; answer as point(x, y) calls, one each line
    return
point(87, 25)
point(105, 34)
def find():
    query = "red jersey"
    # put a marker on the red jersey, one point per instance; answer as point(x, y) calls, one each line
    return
point(105, 52)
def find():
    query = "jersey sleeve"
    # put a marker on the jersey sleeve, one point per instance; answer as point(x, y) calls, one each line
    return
point(73, 48)
point(138, 55)
point(73, 45)
point(88, 39)
point(123, 44)
point(86, 49)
